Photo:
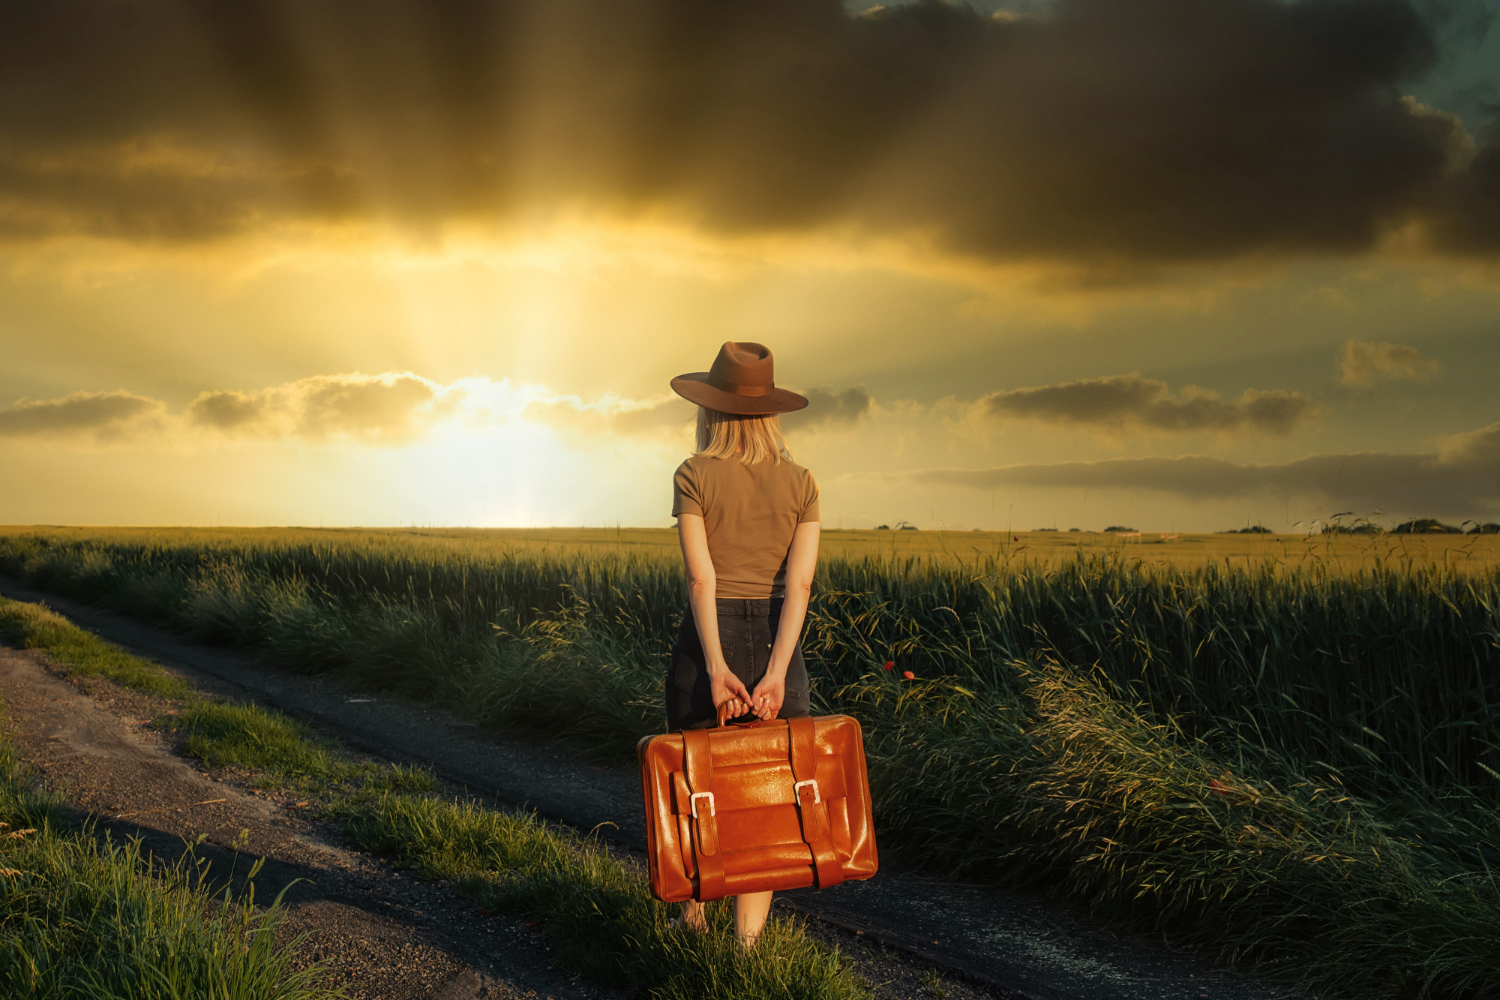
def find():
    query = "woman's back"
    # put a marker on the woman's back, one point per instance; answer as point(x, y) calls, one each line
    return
point(751, 513)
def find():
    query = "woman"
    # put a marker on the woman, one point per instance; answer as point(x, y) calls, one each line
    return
point(747, 518)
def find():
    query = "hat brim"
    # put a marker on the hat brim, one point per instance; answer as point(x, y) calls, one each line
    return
point(696, 388)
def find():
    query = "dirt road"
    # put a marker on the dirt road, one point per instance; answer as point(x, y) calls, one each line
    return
point(380, 931)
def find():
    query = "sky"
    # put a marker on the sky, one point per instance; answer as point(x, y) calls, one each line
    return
point(1179, 265)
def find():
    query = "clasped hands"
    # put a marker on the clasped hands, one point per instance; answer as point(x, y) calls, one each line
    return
point(730, 691)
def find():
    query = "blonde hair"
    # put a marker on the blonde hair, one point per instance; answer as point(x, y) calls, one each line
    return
point(751, 439)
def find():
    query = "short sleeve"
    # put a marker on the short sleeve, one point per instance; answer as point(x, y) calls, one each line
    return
point(687, 497)
point(809, 501)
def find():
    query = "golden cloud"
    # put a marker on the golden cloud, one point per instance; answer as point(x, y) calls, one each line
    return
point(104, 416)
point(1366, 366)
point(611, 414)
point(387, 409)
point(1460, 479)
point(829, 407)
point(390, 408)
point(1118, 403)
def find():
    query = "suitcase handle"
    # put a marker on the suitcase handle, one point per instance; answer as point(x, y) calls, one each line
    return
point(722, 713)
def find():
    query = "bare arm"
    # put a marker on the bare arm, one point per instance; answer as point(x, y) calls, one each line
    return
point(702, 593)
point(801, 563)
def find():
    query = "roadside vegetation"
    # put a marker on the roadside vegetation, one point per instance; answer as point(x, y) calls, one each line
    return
point(83, 916)
point(597, 911)
point(1296, 765)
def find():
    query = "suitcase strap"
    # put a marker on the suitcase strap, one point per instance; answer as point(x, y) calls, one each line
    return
point(811, 808)
point(698, 763)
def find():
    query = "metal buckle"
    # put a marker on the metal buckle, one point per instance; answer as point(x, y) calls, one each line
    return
point(693, 803)
point(797, 791)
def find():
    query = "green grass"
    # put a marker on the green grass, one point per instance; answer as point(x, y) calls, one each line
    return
point(32, 626)
point(1266, 867)
point(281, 751)
point(599, 913)
point(1296, 765)
point(85, 917)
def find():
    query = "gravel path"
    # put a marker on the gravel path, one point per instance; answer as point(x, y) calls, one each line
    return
point(383, 935)
point(997, 942)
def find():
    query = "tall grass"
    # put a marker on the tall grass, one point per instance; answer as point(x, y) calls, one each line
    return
point(1296, 764)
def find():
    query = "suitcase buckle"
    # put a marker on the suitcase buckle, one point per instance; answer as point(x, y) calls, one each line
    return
point(693, 803)
point(797, 790)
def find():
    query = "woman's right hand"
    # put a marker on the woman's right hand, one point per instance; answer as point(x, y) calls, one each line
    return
point(729, 689)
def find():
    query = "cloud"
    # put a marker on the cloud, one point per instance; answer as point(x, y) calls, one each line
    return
point(611, 414)
point(105, 415)
point(1465, 217)
point(1130, 402)
point(1096, 131)
point(390, 408)
point(1366, 366)
point(1460, 479)
point(671, 415)
point(828, 407)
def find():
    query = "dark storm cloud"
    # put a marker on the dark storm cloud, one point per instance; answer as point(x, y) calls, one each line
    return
point(1467, 216)
point(1150, 129)
point(1126, 402)
point(828, 407)
point(102, 414)
point(1461, 479)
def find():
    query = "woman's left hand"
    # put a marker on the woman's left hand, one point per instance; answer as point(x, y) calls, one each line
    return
point(766, 701)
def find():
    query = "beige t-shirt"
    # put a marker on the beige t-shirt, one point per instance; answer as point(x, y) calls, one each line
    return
point(751, 513)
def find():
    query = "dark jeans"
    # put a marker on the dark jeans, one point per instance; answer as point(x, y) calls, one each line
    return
point(746, 631)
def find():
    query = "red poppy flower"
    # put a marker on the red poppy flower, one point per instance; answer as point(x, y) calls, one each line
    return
point(890, 664)
point(1217, 787)
point(908, 675)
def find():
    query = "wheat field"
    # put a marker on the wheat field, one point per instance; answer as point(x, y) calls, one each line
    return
point(1284, 748)
point(1340, 552)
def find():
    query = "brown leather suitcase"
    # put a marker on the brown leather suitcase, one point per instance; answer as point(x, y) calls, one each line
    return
point(769, 805)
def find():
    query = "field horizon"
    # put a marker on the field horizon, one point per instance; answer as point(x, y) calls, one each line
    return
point(1351, 552)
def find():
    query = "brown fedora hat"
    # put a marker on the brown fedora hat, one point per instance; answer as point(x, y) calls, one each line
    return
point(740, 381)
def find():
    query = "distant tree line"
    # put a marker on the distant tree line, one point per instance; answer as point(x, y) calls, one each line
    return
point(1432, 526)
point(1336, 525)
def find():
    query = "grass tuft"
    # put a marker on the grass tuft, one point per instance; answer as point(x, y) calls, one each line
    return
point(255, 738)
